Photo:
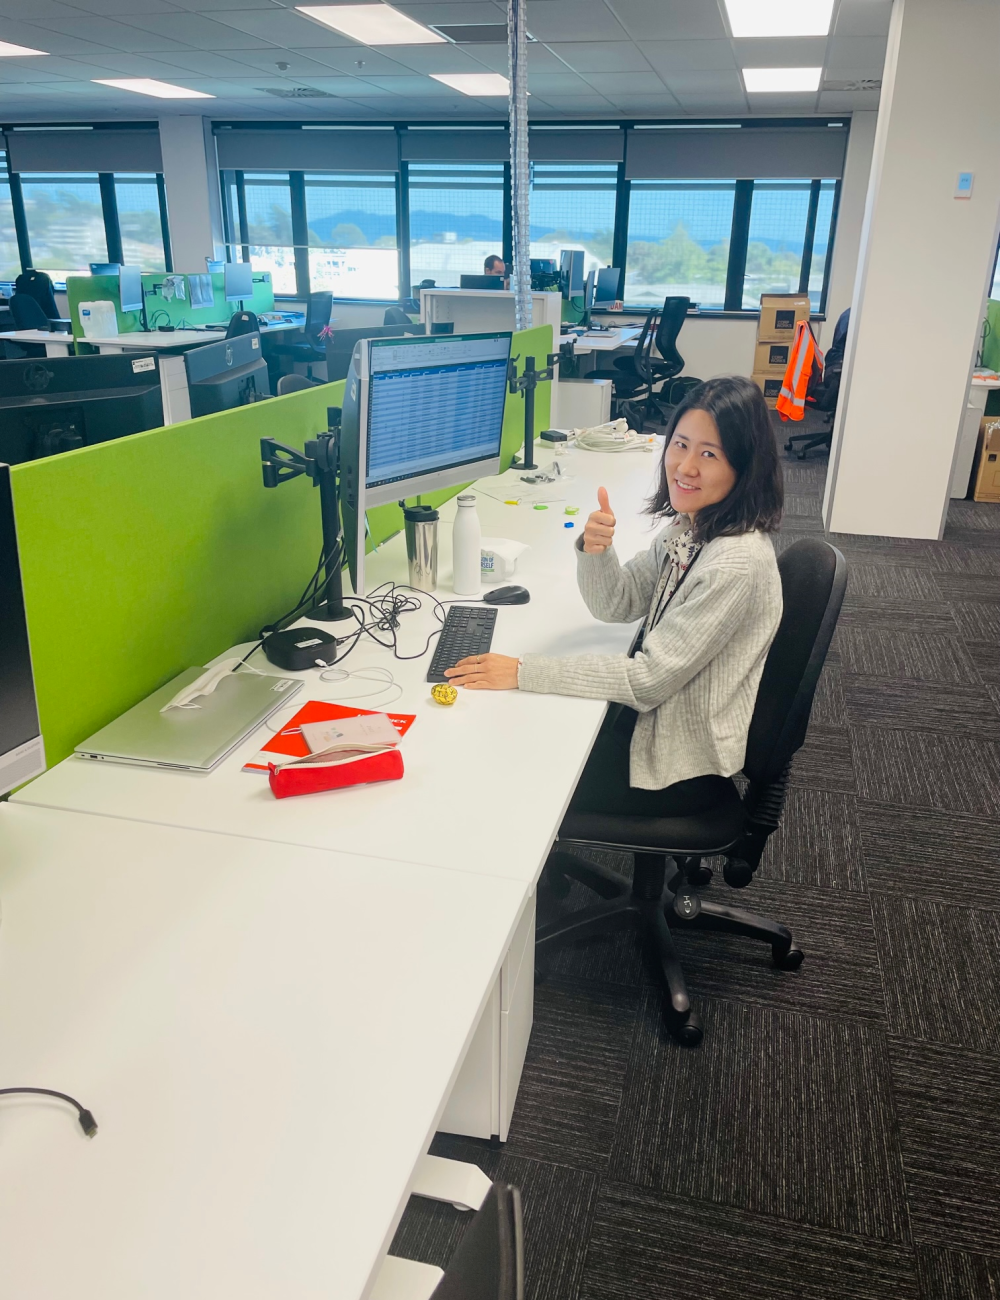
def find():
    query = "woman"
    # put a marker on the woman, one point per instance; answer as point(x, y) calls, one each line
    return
point(711, 596)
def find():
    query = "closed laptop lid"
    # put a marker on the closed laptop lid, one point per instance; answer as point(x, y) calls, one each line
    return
point(191, 738)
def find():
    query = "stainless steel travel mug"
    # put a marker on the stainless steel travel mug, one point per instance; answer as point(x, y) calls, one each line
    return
point(421, 525)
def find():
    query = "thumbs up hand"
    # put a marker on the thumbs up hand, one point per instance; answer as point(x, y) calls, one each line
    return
point(599, 531)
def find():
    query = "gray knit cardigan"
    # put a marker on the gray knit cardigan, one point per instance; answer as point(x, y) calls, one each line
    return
point(694, 681)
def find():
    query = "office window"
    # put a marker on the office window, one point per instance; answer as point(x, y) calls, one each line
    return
point(778, 214)
point(269, 227)
point(573, 206)
point(138, 201)
point(10, 260)
point(351, 219)
point(456, 219)
point(65, 221)
point(678, 241)
point(822, 243)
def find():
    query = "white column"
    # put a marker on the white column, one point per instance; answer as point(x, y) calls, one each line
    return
point(850, 219)
point(191, 179)
point(922, 273)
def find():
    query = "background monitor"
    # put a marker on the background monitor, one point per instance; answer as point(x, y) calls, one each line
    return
point(480, 281)
point(588, 290)
point(608, 288)
point(130, 288)
point(105, 268)
point(222, 376)
point(214, 267)
point(571, 272)
point(419, 414)
point(238, 281)
point(54, 404)
point(543, 266)
point(22, 754)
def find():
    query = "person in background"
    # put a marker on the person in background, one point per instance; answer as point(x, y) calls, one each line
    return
point(494, 265)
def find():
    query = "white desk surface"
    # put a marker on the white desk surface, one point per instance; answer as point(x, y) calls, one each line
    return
point(157, 340)
point(619, 338)
point(37, 336)
point(266, 1038)
point(486, 781)
point(981, 381)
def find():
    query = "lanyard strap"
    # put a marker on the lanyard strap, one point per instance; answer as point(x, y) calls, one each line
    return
point(661, 606)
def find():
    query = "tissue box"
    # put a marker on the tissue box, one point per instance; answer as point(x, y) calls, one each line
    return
point(499, 557)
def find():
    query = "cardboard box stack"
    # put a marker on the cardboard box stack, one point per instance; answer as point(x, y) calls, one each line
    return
point(986, 477)
point(779, 315)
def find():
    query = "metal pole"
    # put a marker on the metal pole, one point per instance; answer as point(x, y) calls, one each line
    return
point(517, 51)
point(529, 413)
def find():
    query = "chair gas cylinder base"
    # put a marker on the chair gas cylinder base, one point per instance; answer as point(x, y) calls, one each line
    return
point(738, 823)
point(656, 905)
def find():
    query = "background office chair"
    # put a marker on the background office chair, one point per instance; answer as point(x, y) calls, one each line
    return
point(340, 344)
point(825, 394)
point(242, 322)
point(813, 581)
point(396, 316)
point(670, 362)
point(38, 285)
point(632, 378)
point(27, 314)
point(309, 349)
point(488, 1264)
point(294, 384)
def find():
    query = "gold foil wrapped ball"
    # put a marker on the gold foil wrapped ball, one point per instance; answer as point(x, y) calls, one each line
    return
point(444, 694)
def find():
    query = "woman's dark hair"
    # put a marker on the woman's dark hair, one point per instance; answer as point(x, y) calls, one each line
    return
point(740, 413)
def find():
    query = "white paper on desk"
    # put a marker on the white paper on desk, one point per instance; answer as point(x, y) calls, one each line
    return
point(371, 731)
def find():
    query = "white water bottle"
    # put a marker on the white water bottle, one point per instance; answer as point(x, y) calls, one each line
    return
point(466, 546)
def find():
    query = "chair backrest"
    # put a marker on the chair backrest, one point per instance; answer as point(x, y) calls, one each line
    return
point(27, 314)
point(395, 316)
point(38, 284)
point(813, 582)
point(294, 384)
point(318, 310)
point(243, 322)
point(672, 318)
point(340, 346)
point(489, 1261)
point(643, 351)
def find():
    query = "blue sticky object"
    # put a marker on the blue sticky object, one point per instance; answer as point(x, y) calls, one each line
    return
point(568, 523)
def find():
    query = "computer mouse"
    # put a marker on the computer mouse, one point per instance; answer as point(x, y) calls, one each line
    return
point(507, 596)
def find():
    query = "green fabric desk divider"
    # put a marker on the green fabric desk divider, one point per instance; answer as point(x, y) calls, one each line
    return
point(145, 556)
point(175, 311)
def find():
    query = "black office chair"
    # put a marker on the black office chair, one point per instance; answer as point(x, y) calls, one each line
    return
point(340, 346)
point(294, 384)
point(670, 363)
point(824, 395)
point(396, 316)
point(242, 322)
point(27, 314)
point(632, 377)
point(813, 581)
point(489, 1261)
point(307, 349)
point(38, 285)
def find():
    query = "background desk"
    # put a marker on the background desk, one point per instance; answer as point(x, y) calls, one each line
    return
point(965, 455)
point(585, 344)
point(266, 1037)
point(56, 345)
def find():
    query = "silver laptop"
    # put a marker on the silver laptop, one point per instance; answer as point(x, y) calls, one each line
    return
point(192, 740)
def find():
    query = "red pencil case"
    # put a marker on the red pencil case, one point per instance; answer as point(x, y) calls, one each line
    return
point(308, 779)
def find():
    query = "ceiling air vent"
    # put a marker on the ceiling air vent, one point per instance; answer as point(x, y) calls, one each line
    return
point(473, 33)
point(873, 83)
point(297, 92)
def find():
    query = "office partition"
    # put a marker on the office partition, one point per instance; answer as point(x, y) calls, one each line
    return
point(164, 305)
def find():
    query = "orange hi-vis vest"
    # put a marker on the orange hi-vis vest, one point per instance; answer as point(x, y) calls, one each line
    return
point(805, 354)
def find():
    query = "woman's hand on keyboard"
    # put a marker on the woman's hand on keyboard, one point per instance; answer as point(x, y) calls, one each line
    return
point(485, 673)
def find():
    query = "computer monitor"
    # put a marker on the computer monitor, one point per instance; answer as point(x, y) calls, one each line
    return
point(571, 272)
point(105, 268)
point(480, 281)
point(222, 376)
point(543, 266)
point(419, 414)
point(54, 404)
point(608, 290)
point(238, 281)
point(22, 754)
point(130, 288)
point(588, 290)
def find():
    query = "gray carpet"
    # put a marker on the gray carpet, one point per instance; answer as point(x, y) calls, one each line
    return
point(836, 1136)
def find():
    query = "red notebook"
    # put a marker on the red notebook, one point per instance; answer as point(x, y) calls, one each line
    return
point(290, 743)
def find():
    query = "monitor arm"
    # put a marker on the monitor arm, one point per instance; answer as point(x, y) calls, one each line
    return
point(526, 385)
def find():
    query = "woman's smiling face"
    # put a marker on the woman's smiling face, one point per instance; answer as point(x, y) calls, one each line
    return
point(698, 472)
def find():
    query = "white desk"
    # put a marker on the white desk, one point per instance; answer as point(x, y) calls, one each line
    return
point(968, 439)
point(266, 1038)
point(584, 344)
point(56, 345)
point(475, 310)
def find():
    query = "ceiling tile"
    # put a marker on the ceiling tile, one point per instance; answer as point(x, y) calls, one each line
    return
point(613, 84)
point(596, 104)
point(494, 57)
point(52, 40)
point(845, 101)
point(863, 55)
point(590, 20)
point(210, 63)
point(646, 105)
point(29, 11)
point(706, 83)
point(436, 58)
point(131, 65)
point(697, 102)
point(434, 11)
point(345, 58)
point(557, 83)
point(414, 87)
point(195, 31)
point(663, 20)
point(282, 27)
point(608, 56)
point(12, 75)
point(108, 31)
point(863, 17)
point(121, 8)
point(782, 105)
point(783, 52)
point(696, 56)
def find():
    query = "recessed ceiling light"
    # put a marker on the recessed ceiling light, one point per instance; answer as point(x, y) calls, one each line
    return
point(779, 17)
point(372, 24)
point(479, 84)
point(159, 89)
point(8, 51)
point(760, 81)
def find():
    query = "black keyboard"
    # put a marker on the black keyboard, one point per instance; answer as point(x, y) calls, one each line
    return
point(468, 630)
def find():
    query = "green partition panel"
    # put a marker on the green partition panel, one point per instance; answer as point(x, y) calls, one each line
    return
point(178, 312)
point(145, 556)
point(991, 341)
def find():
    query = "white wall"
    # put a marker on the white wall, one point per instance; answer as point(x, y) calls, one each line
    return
point(850, 219)
point(191, 179)
point(922, 280)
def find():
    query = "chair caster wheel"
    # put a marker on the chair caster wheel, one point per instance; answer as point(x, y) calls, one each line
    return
point(788, 445)
point(737, 873)
point(791, 959)
point(689, 1033)
point(700, 877)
